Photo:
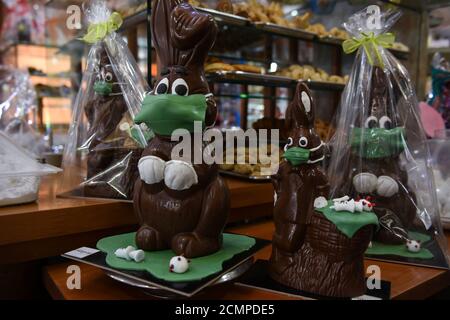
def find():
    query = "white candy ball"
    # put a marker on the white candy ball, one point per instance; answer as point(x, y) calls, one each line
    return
point(413, 246)
point(365, 183)
point(386, 186)
point(320, 202)
point(178, 264)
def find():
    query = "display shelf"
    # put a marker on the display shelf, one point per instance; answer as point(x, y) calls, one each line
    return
point(407, 282)
point(50, 80)
point(55, 225)
point(250, 96)
point(275, 29)
point(134, 20)
point(226, 18)
point(266, 80)
point(419, 5)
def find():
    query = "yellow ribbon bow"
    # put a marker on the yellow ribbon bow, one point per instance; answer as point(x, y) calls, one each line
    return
point(371, 44)
point(99, 31)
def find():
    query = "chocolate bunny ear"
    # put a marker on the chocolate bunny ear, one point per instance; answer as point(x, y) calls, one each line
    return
point(160, 22)
point(300, 112)
point(182, 36)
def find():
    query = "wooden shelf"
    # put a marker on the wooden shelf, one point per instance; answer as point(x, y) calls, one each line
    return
point(55, 225)
point(407, 282)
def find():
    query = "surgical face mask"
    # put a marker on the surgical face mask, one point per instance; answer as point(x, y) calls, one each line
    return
point(297, 156)
point(167, 112)
point(103, 88)
point(376, 143)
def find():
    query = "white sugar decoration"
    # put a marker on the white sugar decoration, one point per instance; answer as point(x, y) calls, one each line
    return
point(179, 264)
point(306, 102)
point(124, 253)
point(413, 245)
point(137, 255)
point(350, 205)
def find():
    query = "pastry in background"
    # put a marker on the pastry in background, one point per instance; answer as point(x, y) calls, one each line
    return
point(225, 6)
point(308, 72)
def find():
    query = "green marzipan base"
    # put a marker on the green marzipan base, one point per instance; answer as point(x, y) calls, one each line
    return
point(346, 222)
point(400, 250)
point(157, 262)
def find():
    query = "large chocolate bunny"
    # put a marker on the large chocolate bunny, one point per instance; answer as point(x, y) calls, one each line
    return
point(179, 205)
point(309, 252)
point(376, 170)
point(112, 154)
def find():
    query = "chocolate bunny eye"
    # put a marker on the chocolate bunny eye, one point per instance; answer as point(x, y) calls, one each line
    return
point(371, 122)
point(303, 142)
point(290, 143)
point(108, 76)
point(385, 123)
point(180, 87)
point(162, 87)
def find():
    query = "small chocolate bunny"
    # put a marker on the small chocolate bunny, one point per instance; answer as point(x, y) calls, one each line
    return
point(179, 205)
point(113, 155)
point(309, 252)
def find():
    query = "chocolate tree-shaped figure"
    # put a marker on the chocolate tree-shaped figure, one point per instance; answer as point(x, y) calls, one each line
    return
point(309, 252)
point(112, 156)
point(179, 205)
point(376, 170)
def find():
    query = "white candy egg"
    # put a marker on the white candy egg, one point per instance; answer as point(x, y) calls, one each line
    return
point(179, 264)
point(413, 246)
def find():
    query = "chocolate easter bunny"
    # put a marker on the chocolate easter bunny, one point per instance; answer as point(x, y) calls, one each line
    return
point(376, 170)
point(309, 252)
point(179, 205)
point(107, 145)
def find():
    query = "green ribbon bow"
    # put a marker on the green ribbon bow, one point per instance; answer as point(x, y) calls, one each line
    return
point(99, 31)
point(371, 44)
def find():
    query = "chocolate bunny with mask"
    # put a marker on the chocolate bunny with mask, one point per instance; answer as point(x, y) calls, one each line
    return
point(376, 170)
point(112, 157)
point(309, 253)
point(179, 205)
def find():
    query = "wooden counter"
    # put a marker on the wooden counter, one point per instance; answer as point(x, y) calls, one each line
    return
point(55, 225)
point(407, 282)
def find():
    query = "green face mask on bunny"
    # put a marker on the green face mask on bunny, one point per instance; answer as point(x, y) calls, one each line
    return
point(165, 113)
point(297, 156)
point(376, 143)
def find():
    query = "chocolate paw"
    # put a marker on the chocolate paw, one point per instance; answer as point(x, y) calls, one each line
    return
point(192, 245)
point(148, 239)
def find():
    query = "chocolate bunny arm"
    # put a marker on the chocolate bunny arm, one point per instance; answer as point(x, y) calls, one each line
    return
point(289, 227)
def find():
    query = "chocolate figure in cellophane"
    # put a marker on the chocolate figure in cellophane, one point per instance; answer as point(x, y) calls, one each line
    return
point(375, 168)
point(309, 252)
point(179, 204)
point(104, 145)
point(112, 153)
point(379, 150)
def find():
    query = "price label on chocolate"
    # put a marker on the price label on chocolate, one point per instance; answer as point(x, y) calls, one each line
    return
point(82, 252)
